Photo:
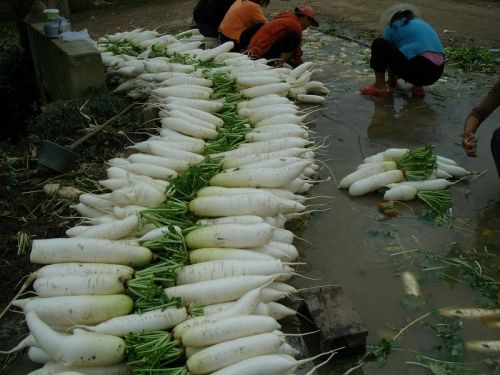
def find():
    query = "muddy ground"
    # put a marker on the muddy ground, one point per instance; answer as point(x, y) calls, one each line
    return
point(368, 124)
point(458, 22)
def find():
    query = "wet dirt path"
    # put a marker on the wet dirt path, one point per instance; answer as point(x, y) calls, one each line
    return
point(355, 246)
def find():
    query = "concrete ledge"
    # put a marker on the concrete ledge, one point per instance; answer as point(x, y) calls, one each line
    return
point(64, 69)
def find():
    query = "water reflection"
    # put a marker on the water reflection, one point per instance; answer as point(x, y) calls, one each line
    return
point(488, 231)
point(402, 119)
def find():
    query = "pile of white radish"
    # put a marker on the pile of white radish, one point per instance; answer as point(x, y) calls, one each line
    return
point(239, 255)
point(381, 171)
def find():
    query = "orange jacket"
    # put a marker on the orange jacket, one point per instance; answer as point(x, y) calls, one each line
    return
point(241, 15)
point(263, 39)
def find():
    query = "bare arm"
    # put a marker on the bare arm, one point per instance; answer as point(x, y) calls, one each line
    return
point(477, 116)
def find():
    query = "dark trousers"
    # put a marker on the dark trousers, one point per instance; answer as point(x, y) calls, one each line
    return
point(418, 71)
point(224, 39)
point(288, 43)
point(210, 31)
point(495, 149)
point(247, 35)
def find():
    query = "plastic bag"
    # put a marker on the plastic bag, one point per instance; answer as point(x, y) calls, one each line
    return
point(73, 36)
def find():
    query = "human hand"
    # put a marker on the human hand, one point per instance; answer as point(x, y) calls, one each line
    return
point(469, 143)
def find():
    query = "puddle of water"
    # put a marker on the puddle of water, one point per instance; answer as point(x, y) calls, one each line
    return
point(354, 245)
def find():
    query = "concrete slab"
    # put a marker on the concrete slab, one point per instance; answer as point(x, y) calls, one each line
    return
point(64, 69)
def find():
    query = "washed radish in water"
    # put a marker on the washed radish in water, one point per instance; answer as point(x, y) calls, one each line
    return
point(410, 284)
point(400, 192)
point(454, 170)
point(351, 178)
point(374, 182)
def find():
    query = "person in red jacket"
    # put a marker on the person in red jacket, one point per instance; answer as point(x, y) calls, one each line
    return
point(280, 39)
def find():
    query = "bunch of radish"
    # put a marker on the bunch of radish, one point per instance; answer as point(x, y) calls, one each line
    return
point(382, 171)
point(235, 259)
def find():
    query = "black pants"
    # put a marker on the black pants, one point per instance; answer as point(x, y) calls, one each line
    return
point(286, 44)
point(210, 31)
point(495, 149)
point(247, 35)
point(224, 39)
point(418, 71)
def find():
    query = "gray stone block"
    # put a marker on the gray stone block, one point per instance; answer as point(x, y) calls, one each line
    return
point(332, 313)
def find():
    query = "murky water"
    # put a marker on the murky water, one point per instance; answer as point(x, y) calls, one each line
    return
point(356, 247)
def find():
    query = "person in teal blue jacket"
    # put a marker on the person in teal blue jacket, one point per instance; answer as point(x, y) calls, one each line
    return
point(410, 50)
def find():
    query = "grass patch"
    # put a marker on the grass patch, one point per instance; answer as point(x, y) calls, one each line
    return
point(472, 59)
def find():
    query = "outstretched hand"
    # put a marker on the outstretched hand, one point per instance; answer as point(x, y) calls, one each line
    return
point(469, 143)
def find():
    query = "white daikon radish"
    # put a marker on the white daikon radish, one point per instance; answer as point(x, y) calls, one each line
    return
point(84, 269)
point(260, 177)
point(372, 183)
point(227, 353)
point(394, 154)
point(160, 149)
point(174, 164)
point(410, 284)
point(240, 219)
point(79, 349)
point(70, 310)
point(310, 98)
point(219, 269)
point(219, 290)
point(348, 180)
point(204, 105)
point(274, 88)
point(161, 319)
point(70, 250)
point(188, 128)
point(75, 285)
point(210, 254)
point(228, 329)
point(454, 170)
point(259, 203)
point(470, 313)
point(230, 235)
point(400, 192)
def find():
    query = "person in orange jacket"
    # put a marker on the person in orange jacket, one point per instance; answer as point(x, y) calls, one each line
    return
point(280, 39)
point(243, 17)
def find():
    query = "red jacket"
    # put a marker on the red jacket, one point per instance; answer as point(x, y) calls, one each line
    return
point(263, 39)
